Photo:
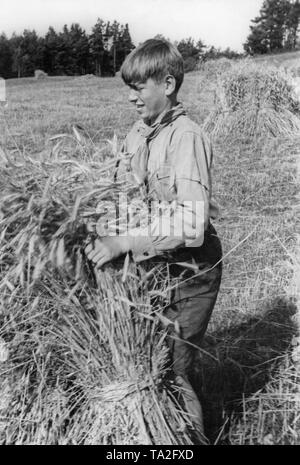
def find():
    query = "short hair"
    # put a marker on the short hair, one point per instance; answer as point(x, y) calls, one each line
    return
point(155, 58)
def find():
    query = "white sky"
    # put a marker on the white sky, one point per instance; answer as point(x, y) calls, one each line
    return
point(222, 23)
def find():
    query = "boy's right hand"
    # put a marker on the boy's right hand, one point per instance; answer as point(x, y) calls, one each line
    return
point(104, 249)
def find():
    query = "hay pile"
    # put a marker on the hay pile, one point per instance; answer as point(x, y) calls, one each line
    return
point(40, 74)
point(212, 69)
point(87, 77)
point(82, 358)
point(253, 101)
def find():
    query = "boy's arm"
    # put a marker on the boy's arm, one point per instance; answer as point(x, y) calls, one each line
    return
point(122, 168)
point(192, 155)
point(185, 226)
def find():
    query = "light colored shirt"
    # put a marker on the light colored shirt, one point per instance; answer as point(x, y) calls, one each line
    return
point(178, 173)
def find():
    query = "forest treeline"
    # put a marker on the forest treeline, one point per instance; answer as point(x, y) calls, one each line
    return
point(73, 51)
point(69, 52)
point(276, 29)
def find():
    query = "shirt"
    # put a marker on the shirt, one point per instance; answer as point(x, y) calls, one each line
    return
point(179, 183)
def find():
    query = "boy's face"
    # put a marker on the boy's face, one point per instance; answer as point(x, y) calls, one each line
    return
point(150, 98)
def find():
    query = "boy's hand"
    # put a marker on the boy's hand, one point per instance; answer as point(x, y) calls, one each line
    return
point(105, 249)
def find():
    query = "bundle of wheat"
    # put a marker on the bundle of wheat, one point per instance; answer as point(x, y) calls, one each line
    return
point(44, 209)
point(88, 366)
point(85, 359)
point(254, 101)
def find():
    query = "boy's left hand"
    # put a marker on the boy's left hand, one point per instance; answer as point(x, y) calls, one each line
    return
point(105, 249)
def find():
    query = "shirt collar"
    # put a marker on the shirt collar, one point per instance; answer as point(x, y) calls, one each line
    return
point(146, 129)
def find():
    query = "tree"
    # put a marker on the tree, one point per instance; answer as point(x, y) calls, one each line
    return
point(190, 53)
point(161, 37)
point(70, 51)
point(15, 43)
point(109, 43)
point(51, 47)
point(64, 58)
point(96, 46)
point(275, 28)
point(79, 50)
point(124, 45)
point(292, 25)
point(113, 38)
point(31, 52)
point(257, 42)
point(27, 52)
point(213, 53)
point(6, 58)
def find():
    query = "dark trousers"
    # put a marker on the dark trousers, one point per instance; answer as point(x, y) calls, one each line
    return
point(191, 305)
point(193, 300)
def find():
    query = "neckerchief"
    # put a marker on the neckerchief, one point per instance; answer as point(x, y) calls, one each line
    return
point(139, 160)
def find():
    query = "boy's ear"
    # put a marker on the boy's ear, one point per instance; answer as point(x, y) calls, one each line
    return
point(170, 83)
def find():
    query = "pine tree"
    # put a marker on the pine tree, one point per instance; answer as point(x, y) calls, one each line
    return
point(15, 43)
point(27, 53)
point(96, 46)
point(275, 28)
point(64, 59)
point(190, 53)
point(6, 58)
point(79, 50)
point(70, 52)
point(292, 25)
point(50, 51)
point(124, 45)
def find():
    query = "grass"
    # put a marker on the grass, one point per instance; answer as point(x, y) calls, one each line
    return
point(40, 109)
point(252, 326)
point(279, 59)
point(249, 391)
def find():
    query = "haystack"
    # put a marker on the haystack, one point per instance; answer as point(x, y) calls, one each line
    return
point(84, 359)
point(40, 74)
point(211, 69)
point(254, 101)
point(87, 77)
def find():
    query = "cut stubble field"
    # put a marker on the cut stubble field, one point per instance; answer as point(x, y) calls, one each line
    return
point(249, 383)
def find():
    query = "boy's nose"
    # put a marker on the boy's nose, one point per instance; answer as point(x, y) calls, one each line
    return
point(132, 96)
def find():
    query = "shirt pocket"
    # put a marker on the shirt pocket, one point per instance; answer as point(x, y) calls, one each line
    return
point(164, 182)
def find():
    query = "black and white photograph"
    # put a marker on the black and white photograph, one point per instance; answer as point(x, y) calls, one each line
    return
point(149, 225)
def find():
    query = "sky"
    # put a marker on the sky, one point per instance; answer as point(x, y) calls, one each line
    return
point(222, 23)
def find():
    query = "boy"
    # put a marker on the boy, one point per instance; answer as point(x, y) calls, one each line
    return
point(171, 157)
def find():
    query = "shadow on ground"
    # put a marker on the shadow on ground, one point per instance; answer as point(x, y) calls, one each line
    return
point(248, 355)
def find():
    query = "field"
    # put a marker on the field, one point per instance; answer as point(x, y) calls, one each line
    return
point(248, 371)
point(280, 59)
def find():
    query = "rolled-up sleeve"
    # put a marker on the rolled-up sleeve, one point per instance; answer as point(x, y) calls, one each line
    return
point(182, 223)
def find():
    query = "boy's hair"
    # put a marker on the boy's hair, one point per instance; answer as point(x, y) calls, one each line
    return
point(155, 58)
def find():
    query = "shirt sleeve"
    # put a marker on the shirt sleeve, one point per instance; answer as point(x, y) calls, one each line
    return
point(126, 169)
point(183, 223)
point(122, 169)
